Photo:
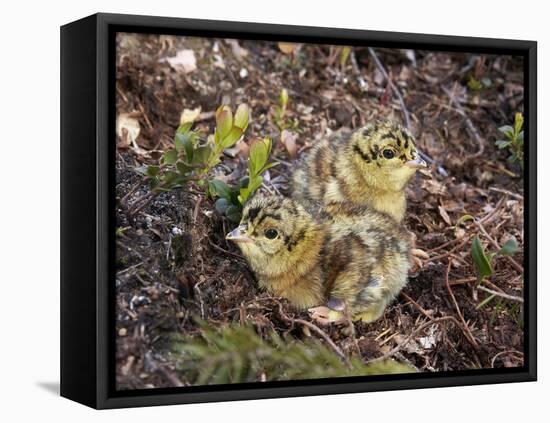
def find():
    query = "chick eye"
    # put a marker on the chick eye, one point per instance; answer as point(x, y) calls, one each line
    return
point(271, 234)
point(388, 153)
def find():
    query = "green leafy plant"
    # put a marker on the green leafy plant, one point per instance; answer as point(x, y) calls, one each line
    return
point(483, 260)
point(236, 354)
point(257, 164)
point(191, 159)
point(475, 84)
point(344, 55)
point(513, 140)
point(280, 112)
point(232, 198)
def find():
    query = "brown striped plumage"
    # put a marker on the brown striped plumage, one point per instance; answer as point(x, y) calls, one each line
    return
point(348, 253)
point(370, 166)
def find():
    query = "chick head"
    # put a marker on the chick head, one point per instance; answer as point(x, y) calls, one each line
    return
point(385, 154)
point(274, 234)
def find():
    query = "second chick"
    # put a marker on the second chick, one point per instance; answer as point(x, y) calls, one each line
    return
point(351, 259)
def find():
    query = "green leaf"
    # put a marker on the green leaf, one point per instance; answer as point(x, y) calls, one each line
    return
point(170, 157)
point(169, 177)
point(268, 166)
point(463, 219)
point(184, 127)
point(278, 113)
point(502, 143)
point(283, 98)
point(243, 183)
point(221, 206)
point(520, 137)
point(153, 183)
point(184, 142)
point(518, 122)
point(242, 116)
point(482, 263)
point(474, 84)
point(259, 153)
point(152, 171)
point(224, 121)
point(220, 188)
point(507, 130)
point(231, 138)
point(255, 183)
point(202, 154)
point(183, 169)
point(509, 248)
point(344, 55)
point(233, 213)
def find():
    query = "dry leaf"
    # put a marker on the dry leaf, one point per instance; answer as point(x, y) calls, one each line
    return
point(444, 215)
point(289, 141)
point(243, 147)
point(431, 340)
point(288, 48)
point(189, 115)
point(127, 128)
point(184, 59)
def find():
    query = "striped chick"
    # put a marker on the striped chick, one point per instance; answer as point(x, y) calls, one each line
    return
point(346, 261)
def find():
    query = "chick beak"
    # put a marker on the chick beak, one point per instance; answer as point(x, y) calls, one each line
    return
point(238, 235)
point(416, 163)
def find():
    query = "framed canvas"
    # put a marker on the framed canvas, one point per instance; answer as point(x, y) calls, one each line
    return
point(257, 211)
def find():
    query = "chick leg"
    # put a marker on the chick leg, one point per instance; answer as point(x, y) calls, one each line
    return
point(371, 313)
point(372, 300)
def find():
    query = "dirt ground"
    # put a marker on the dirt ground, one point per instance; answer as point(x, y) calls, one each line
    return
point(174, 264)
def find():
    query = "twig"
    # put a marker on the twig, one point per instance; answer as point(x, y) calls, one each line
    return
point(129, 193)
point(418, 306)
point(197, 209)
point(473, 131)
point(412, 335)
point(149, 124)
point(169, 247)
point(170, 375)
point(199, 294)
point(449, 253)
point(462, 281)
point(141, 203)
point(217, 247)
point(490, 216)
point(319, 332)
point(445, 244)
point(503, 191)
point(394, 89)
point(128, 269)
point(465, 327)
point(504, 352)
point(404, 110)
point(500, 294)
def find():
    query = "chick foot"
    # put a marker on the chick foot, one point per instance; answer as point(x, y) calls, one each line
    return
point(333, 312)
point(417, 258)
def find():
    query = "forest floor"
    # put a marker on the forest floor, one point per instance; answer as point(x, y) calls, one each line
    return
point(173, 263)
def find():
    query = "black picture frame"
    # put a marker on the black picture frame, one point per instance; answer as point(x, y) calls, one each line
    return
point(87, 202)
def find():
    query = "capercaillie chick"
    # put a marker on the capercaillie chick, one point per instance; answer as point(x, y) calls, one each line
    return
point(352, 259)
point(369, 166)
